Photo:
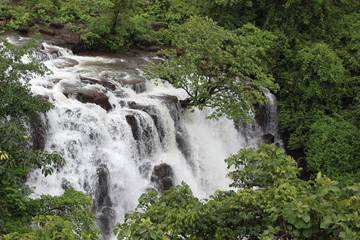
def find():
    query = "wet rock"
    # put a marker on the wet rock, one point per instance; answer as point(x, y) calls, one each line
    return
point(131, 120)
point(38, 135)
point(108, 85)
point(136, 83)
point(162, 176)
point(154, 114)
point(65, 63)
point(89, 96)
point(102, 203)
point(102, 197)
point(261, 116)
point(184, 103)
point(268, 138)
point(166, 98)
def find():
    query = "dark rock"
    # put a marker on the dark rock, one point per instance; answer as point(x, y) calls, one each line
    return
point(102, 206)
point(105, 221)
point(24, 29)
point(139, 87)
point(162, 176)
point(38, 135)
point(104, 83)
point(98, 98)
point(131, 120)
point(268, 138)
point(89, 96)
point(102, 197)
point(184, 103)
point(261, 116)
point(57, 25)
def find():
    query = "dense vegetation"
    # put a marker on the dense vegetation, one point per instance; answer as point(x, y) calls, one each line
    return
point(223, 53)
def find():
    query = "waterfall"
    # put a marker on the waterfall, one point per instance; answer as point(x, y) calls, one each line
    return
point(121, 135)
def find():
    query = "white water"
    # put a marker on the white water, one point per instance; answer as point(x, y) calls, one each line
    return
point(96, 142)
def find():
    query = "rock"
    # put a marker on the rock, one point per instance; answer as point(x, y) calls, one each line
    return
point(24, 29)
point(57, 25)
point(65, 63)
point(131, 120)
point(261, 116)
point(102, 197)
point(89, 96)
point(162, 176)
point(137, 84)
point(108, 85)
point(102, 203)
point(47, 31)
point(268, 138)
point(38, 135)
point(184, 103)
point(166, 98)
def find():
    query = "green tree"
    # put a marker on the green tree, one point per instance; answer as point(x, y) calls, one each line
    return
point(314, 85)
point(332, 148)
point(218, 68)
point(272, 203)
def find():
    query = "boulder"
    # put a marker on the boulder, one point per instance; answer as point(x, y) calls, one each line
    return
point(137, 83)
point(89, 96)
point(65, 62)
point(162, 176)
point(268, 138)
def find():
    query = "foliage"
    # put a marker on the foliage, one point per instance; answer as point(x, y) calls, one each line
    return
point(332, 149)
point(314, 86)
point(280, 207)
point(218, 68)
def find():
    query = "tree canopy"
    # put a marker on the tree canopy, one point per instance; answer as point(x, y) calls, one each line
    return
point(222, 69)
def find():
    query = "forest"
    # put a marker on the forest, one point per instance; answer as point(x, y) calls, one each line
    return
point(223, 53)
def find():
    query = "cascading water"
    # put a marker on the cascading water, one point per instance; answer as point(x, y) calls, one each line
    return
point(121, 135)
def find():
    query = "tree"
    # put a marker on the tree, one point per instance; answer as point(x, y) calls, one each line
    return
point(314, 85)
point(272, 203)
point(333, 149)
point(222, 69)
